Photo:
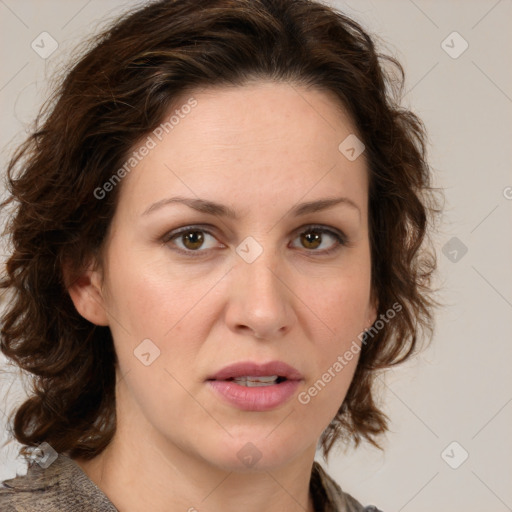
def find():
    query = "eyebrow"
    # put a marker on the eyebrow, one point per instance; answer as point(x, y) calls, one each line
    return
point(220, 210)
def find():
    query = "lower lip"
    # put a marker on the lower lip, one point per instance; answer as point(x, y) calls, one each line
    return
point(260, 398)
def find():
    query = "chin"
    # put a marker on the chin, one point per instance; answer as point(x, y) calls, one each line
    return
point(258, 451)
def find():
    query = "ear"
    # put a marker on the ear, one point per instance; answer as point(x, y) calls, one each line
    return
point(86, 293)
point(373, 308)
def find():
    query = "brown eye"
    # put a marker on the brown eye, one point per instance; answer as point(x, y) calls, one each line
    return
point(194, 242)
point(317, 236)
point(192, 239)
point(311, 239)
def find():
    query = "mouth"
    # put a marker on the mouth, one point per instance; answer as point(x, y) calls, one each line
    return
point(250, 373)
point(256, 387)
point(257, 381)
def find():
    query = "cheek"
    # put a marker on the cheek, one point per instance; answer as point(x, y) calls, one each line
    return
point(174, 309)
point(320, 400)
point(342, 305)
point(152, 298)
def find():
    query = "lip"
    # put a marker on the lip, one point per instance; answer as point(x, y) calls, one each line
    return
point(256, 399)
point(241, 369)
point(261, 398)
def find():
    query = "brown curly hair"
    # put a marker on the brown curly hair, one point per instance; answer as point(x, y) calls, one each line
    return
point(118, 91)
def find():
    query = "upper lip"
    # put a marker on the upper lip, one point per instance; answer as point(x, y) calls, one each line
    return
point(250, 368)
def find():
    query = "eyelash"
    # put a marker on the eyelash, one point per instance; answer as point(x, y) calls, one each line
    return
point(340, 238)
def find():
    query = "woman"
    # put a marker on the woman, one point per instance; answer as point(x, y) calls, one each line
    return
point(218, 241)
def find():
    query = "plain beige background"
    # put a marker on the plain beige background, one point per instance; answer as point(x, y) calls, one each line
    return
point(455, 399)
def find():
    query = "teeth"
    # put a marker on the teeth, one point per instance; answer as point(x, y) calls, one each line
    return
point(251, 381)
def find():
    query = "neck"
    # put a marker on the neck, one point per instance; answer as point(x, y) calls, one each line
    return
point(149, 479)
point(142, 470)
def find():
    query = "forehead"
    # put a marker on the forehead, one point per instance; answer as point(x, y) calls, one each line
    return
point(260, 112)
point(265, 138)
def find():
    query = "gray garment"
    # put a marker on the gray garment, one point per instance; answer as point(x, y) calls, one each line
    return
point(64, 486)
point(328, 496)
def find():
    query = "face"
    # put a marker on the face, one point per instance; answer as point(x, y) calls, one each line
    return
point(188, 291)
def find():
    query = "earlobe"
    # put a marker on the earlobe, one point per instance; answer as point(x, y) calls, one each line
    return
point(85, 292)
point(372, 313)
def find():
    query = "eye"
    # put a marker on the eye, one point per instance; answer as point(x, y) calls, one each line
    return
point(314, 237)
point(191, 239)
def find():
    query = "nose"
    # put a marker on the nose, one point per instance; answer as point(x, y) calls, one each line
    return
point(260, 300)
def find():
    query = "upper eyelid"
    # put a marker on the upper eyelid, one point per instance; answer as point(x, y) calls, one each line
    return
point(207, 229)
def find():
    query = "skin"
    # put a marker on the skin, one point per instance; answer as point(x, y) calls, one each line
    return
point(259, 149)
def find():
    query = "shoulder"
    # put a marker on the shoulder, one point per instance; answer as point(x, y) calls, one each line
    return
point(61, 486)
point(24, 492)
point(329, 497)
